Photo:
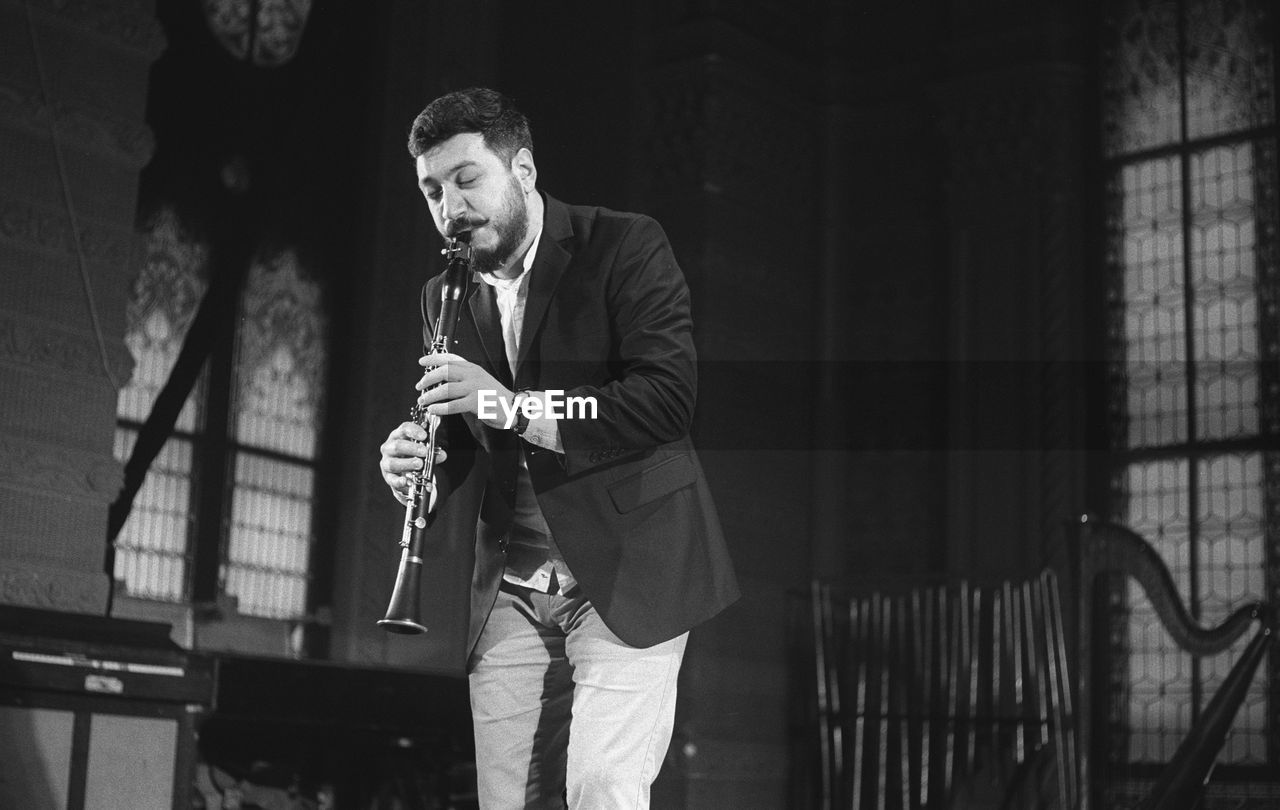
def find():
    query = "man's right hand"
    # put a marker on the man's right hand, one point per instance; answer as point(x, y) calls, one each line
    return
point(402, 453)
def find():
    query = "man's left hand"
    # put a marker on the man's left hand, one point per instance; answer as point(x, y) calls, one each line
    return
point(452, 384)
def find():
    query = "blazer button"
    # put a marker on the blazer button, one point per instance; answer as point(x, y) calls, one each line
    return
point(593, 457)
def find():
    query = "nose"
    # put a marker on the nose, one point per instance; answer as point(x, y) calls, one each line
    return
point(452, 204)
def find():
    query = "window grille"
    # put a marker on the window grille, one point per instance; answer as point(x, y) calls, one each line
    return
point(279, 387)
point(153, 550)
point(271, 442)
point(1189, 140)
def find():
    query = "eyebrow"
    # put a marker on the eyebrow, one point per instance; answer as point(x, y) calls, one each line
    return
point(452, 169)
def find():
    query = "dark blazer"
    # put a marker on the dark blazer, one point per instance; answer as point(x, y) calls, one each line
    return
point(608, 317)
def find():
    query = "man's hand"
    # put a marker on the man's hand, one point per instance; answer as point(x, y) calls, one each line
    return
point(452, 384)
point(402, 453)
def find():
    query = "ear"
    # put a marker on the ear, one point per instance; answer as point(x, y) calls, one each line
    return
point(523, 167)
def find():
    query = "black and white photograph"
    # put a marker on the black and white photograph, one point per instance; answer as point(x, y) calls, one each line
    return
point(672, 404)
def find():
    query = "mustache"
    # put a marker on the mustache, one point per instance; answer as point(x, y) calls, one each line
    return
point(466, 222)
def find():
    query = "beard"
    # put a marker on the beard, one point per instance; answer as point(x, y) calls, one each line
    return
point(511, 225)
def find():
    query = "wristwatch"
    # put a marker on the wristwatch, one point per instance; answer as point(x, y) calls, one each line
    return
point(522, 421)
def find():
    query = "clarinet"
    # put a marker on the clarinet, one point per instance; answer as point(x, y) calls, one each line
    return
point(402, 612)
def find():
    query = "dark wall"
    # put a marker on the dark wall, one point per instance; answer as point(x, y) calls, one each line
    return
point(874, 207)
point(571, 69)
point(878, 208)
point(632, 109)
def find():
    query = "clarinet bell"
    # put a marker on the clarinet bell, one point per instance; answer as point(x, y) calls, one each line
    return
point(402, 612)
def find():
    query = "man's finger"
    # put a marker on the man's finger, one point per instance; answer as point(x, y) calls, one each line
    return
point(439, 359)
point(438, 393)
point(449, 407)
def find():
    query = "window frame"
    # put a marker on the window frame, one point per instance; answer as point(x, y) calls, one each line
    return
point(1195, 450)
point(215, 450)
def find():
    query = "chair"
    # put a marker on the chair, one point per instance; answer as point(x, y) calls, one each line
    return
point(963, 695)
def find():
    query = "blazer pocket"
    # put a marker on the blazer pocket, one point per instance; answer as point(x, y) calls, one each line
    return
point(650, 484)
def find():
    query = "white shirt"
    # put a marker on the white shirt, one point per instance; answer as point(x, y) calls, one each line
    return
point(533, 560)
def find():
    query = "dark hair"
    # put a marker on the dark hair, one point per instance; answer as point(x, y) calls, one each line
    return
point(476, 109)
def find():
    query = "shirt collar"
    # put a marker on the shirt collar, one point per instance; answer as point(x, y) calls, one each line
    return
point(512, 283)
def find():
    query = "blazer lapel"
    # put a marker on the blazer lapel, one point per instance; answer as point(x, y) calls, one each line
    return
point(548, 266)
point(484, 314)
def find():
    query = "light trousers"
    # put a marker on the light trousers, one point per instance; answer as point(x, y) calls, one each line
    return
point(564, 709)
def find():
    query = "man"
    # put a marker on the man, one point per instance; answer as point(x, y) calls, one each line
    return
point(597, 546)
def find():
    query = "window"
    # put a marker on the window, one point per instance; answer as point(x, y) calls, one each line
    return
point(153, 556)
point(259, 503)
point(1189, 138)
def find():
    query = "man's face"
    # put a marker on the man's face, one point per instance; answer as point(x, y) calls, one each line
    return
point(468, 187)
